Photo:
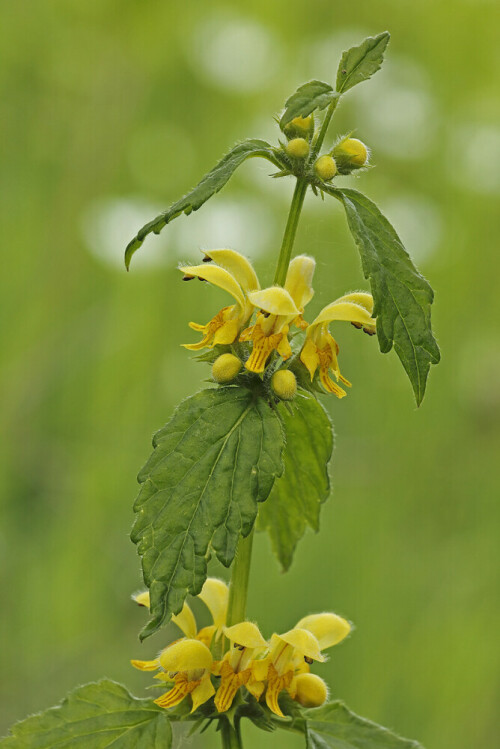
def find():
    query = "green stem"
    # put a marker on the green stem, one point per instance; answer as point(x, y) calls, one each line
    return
point(290, 231)
point(324, 128)
point(238, 587)
point(297, 203)
point(229, 736)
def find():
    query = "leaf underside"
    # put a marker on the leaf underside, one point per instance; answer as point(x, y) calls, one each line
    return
point(308, 97)
point(205, 189)
point(402, 295)
point(213, 461)
point(95, 716)
point(296, 498)
point(360, 63)
point(333, 726)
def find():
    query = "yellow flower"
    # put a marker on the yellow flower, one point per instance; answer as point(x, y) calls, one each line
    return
point(291, 653)
point(279, 308)
point(320, 349)
point(235, 668)
point(188, 663)
point(232, 273)
point(214, 595)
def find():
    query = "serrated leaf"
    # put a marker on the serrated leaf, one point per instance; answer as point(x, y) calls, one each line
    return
point(308, 97)
point(205, 189)
point(360, 63)
point(296, 498)
point(333, 726)
point(213, 461)
point(95, 716)
point(402, 295)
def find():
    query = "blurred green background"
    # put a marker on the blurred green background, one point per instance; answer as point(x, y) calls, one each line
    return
point(112, 110)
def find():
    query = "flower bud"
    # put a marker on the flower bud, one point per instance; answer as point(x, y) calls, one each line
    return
point(325, 168)
point(311, 690)
point(284, 384)
point(297, 148)
point(350, 154)
point(300, 127)
point(225, 368)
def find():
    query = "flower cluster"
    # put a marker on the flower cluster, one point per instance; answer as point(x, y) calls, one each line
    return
point(277, 309)
point(264, 668)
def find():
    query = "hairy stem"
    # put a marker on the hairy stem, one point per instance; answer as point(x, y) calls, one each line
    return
point(324, 128)
point(297, 203)
point(290, 231)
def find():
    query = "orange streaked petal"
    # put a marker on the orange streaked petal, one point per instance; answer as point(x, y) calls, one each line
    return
point(275, 685)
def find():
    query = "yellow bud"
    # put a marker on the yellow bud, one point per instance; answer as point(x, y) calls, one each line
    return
point(311, 690)
point(284, 384)
point(300, 126)
point(225, 368)
point(350, 154)
point(297, 148)
point(325, 168)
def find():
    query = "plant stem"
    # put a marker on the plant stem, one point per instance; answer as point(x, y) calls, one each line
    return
point(238, 587)
point(324, 128)
point(229, 735)
point(290, 231)
point(297, 203)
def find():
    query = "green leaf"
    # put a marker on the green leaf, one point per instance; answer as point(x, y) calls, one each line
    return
point(402, 296)
point(360, 63)
point(95, 716)
point(296, 498)
point(209, 185)
point(333, 726)
point(214, 460)
point(307, 98)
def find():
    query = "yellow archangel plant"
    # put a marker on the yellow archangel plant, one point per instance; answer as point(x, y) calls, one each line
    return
point(252, 450)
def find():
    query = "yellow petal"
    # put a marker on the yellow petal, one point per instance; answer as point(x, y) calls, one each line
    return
point(182, 688)
point(218, 277)
point(309, 356)
point(358, 297)
point(186, 621)
point(215, 595)
point(299, 280)
point(202, 693)
point(275, 300)
point(186, 655)
point(142, 599)
point(146, 665)
point(260, 668)
point(230, 683)
point(238, 266)
point(304, 642)
point(205, 634)
point(275, 685)
point(246, 634)
point(347, 311)
point(328, 628)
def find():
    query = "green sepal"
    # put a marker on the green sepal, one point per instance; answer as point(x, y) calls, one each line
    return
point(402, 295)
point(205, 189)
point(360, 63)
point(308, 97)
point(215, 459)
point(95, 716)
point(296, 498)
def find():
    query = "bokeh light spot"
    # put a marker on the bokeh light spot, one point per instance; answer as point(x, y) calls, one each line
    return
point(110, 223)
point(236, 54)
